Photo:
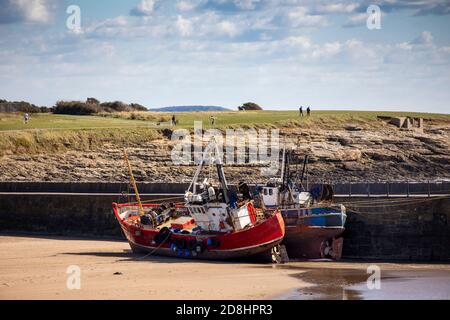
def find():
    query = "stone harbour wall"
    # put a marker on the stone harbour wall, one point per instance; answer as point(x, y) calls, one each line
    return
point(417, 231)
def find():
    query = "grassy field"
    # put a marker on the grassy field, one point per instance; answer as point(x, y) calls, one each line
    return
point(186, 119)
point(57, 133)
point(14, 121)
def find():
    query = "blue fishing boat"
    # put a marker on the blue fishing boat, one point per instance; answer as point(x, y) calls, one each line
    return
point(314, 224)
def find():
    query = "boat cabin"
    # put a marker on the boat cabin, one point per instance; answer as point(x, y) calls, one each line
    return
point(273, 197)
point(215, 216)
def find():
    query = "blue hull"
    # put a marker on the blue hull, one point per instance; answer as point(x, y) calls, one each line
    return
point(310, 230)
point(314, 217)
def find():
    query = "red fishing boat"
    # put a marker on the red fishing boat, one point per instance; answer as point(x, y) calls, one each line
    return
point(212, 223)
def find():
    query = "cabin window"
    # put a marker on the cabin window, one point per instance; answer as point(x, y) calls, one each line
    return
point(270, 192)
point(265, 191)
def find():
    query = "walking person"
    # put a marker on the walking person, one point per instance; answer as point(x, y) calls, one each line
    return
point(26, 118)
point(174, 121)
point(301, 111)
point(308, 111)
point(212, 121)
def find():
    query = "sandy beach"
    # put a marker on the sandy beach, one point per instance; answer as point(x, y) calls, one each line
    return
point(35, 268)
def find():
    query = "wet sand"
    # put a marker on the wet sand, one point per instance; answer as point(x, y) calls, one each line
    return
point(35, 268)
point(348, 281)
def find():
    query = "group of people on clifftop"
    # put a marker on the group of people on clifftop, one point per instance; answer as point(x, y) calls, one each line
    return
point(308, 111)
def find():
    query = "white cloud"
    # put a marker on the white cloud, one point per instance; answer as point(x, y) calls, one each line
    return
point(228, 28)
point(33, 11)
point(337, 7)
point(425, 38)
point(299, 17)
point(185, 5)
point(303, 42)
point(184, 26)
point(360, 19)
point(144, 8)
point(327, 50)
point(356, 20)
point(246, 4)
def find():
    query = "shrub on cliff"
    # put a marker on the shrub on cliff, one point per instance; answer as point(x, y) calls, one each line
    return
point(249, 106)
point(75, 108)
point(93, 106)
point(116, 106)
point(138, 107)
point(20, 106)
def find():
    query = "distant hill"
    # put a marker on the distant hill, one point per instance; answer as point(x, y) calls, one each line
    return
point(189, 109)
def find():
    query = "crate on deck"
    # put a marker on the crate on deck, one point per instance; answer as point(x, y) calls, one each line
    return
point(183, 223)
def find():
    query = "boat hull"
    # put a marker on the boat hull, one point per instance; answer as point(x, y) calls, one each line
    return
point(253, 241)
point(314, 233)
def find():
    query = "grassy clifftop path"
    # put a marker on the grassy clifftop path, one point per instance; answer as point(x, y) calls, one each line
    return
point(343, 145)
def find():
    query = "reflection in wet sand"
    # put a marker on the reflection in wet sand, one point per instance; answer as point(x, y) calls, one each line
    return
point(397, 282)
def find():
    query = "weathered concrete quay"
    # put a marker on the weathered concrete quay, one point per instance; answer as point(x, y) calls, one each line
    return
point(410, 226)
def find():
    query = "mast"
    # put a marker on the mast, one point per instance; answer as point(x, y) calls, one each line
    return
point(304, 171)
point(220, 173)
point(133, 182)
point(283, 163)
point(223, 181)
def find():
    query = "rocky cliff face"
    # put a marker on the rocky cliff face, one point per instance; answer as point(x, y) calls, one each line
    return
point(379, 152)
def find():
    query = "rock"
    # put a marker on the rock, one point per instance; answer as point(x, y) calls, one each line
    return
point(353, 128)
point(350, 155)
point(344, 141)
point(352, 166)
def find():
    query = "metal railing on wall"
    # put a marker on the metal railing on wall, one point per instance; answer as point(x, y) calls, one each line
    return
point(360, 189)
point(392, 189)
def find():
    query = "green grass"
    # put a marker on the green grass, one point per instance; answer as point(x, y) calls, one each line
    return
point(57, 133)
point(186, 119)
point(328, 119)
point(13, 121)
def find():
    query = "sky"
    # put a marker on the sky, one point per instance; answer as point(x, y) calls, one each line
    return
point(278, 53)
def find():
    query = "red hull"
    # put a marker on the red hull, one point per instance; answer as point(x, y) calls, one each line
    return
point(307, 242)
point(248, 242)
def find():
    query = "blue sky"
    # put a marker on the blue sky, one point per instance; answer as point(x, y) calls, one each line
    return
point(278, 53)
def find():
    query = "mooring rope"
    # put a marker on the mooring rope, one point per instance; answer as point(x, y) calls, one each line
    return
point(394, 203)
point(154, 250)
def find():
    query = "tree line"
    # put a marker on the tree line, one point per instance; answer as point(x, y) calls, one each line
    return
point(88, 107)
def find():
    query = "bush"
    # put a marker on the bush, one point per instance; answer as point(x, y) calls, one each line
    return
point(249, 106)
point(20, 106)
point(138, 107)
point(75, 108)
point(116, 106)
point(92, 107)
point(92, 101)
